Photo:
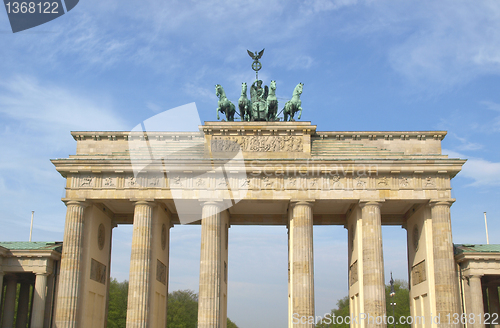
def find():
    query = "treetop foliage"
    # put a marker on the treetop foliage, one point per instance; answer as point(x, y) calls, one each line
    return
point(182, 310)
point(402, 307)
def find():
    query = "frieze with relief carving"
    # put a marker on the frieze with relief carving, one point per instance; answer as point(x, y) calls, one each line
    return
point(257, 144)
point(87, 181)
point(269, 181)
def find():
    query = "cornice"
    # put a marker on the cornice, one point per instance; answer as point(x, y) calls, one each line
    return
point(258, 128)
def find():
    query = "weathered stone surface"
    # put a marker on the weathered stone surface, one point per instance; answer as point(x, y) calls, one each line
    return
point(373, 262)
point(68, 299)
point(288, 174)
point(140, 263)
point(301, 259)
point(446, 282)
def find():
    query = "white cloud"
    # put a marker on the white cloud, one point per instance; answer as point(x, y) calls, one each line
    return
point(327, 5)
point(52, 109)
point(451, 42)
point(491, 105)
point(154, 107)
point(199, 91)
point(466, 144)
point(493, 124)
point(483, 172)
point(35, 125)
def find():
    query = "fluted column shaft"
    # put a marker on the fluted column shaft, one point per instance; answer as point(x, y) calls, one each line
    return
point(209, 302)
point(69, 280)
point(477, 305)
point(494, 303)
point(446, 282)
point(23, 305)
point(373, 264)
point(39, 297)
point(140, 263)
point(10, 303)
point(301, 259)
point(1, 287)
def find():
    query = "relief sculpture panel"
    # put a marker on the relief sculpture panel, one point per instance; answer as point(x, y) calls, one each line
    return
point(418, 273)
point(257, 144)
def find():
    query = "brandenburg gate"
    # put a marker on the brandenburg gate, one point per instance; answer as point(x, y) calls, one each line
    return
point(255, 173)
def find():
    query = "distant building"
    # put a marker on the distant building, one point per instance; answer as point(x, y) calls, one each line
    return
point(29, 272)
point(479, 272)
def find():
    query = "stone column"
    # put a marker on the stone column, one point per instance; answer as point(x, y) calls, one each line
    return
point(466, 293)
point(477, 305)
point(10, 302)
point(485, 298)
point(445, 278)
point(301, 261)
point(373, 263)
point(68, 298)
point(494, 303)
point(1, 288)
point(39, 296)
point(211, 272)
point(23, 305)
point(140, 264)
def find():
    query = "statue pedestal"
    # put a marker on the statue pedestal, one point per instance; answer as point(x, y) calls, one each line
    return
point(260, 139)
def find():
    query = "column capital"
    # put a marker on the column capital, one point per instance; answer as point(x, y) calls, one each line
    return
point(79, 202)
point(148, 201)
point(302, 202)
point(218, 203)
point(370, 202)
point(441, 202)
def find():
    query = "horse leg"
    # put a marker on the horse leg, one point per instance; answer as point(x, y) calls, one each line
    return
point(232, 111)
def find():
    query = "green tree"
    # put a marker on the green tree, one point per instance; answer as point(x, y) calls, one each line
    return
point(342, 311)
point(231, 324)
point(402, 307)
point(402, 300)
point(182, 311)
point(117, 310)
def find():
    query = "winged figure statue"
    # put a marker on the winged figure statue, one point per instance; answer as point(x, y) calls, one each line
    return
point(257, 55)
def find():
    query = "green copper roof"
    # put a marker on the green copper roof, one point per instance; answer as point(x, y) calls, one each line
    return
point(36, 245)
point(478, 248)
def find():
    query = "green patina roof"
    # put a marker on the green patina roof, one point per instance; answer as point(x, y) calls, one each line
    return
point(478, 248)
point(35, 245)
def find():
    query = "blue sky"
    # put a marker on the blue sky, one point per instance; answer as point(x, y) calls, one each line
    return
point(365, 65)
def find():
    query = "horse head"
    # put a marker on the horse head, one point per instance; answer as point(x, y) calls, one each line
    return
point(272, 86)
point(298, 89)
point(218, 90)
